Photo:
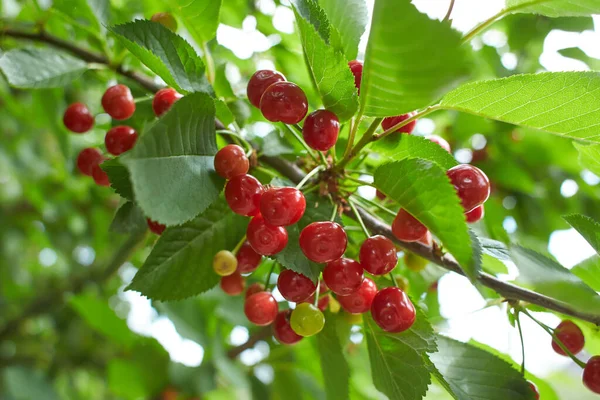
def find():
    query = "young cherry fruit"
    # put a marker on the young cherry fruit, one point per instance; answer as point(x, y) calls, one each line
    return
point(259, 82)
point(378, 255)
point(77, 118)
point(414, 262)
point(120, 139)
point(118, 102)
point(407, 228)
point(570, 336)
point(231, 161)
point(307, 320)
point(100, 176)
point(534, 389)
point(224, 263)
point(243, 195)
point(261, 308)
point(471, 184)
point(591, 374)
point(389, 122)
point(163, 100)
point(282, 206)
point(233, 284)
point(248, 259)
point(360, 301)
point(392, 310)
point(155, 227)
point(165, 19)
point(440, 141)
point(324, 241)
point(295, 287)
point(266, 239)
point(282, 330)
point(475, 214)
point(343, 276)
point(284, 102)
point(254, 288)
point(356, 68)
point(321, 129)
point(87, 158)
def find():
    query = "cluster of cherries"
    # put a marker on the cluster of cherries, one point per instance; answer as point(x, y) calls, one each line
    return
point(117, 102)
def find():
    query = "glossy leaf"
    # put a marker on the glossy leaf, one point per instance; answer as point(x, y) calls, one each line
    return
point(399, 147)
point(589, 156)
point(555, 8)
point(350, 18)
point(89, 13)
point(200, 17)
point(587, 227)
point(119, 177)
point(589, 272)
point(333, 362)
point(129, 218)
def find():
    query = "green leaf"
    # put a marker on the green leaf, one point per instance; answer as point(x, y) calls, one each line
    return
point(200, 17)
point(587, 227)
point(119, 177)
point(555, 8)
point(410, 60)
point(92, 14)
point(495, 249)
point(399, 147)
point(350, 18)
point(424, 190)
point(171, 165)
point(223, 112)
point(578, 54)
point(589, 156)
point(327, 65)
point(468, 372)
point(333, 362)
point(40, 68)
point(129, 218)
point(165, 53)
point(22, 383)
point(563, 103)
point(180, 264)
point(589, 272)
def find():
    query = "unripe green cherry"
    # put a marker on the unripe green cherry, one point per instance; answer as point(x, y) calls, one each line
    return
point(224, 263)
point(414, 262)
point(307, 320)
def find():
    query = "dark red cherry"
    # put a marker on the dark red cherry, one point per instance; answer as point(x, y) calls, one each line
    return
point(360, 301)
point(261, 308)
point(259, 82)
point(118, 102)
point(248, 259)
point(231, 161)
point(99, 175)
point(324, 241)
point(321, 129)
point(163, 100)
point(378, 255)
point(282, 330)
point(77, 118)
point(233, 284)
point(472, 185)
point(571, 337)
point(591, 374)
point(441, 141)
point(535, 390)
point(475, 214)
point(156, 227)
point(282, 206)
point(120, 139)
point(357, 69)
point(393, 121)
point(284, 102)
point(87, 158)
point(392, 310)
point(407, 228)
point(254, 288)
point(294, 286)
point(266, 239)
point(343, 276)
point(243, 195)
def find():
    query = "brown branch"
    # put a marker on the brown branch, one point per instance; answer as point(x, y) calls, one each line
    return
point(259, 335)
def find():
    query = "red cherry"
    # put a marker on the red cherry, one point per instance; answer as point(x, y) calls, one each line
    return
point(441, 141)
point(155, 227)
point(266, 239)
point(535, 390)
point(163, 100)
point(118, 102)
point(392, 121)
point(357, 69)
point(407, 228)
point(77, 118)
point(378, 255)
point(254, 288)
point(248, 260)
point(343, 276)
point(380, 195)
point(392, 310)
point(282, 206)
point(120, 139)
point(321, 129)
point(433, 288)
point(323, 288)
point(231, 161)
point(475, 214)
point(261, 308)
point(233, 284)
point(472, 185)
point(285, 102)
point(591, 374)
point(570, 335)
point(243, 194)
point(323, 302)
point(323, 241)
point(360, 301)
point(99, 175)
point(427, 240)
point(259, 82)
point(282, 330)
point(87, 158)
point(294, 286)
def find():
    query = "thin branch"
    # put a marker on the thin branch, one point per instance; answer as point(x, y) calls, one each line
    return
point(449, 13)
point(259, 335)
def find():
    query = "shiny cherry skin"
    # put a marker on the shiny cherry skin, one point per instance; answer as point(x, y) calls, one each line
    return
point(254, 288)
point(534, 389)
point(378, 255)
point(357, 69)
point(471, 184)
point(259, 82)
point(231, 161)
point(282, 206)
point(323, 302)
point(307, 320)
point(570, 336)
point(282, 330)
point(224, 263)
point(261, 308)
point(475, 214)
point(343, 276)
point(440, 141)
point(155, 227)
point(118, 102)
point(321, 129)
point(77, 118)
point(360, 301)
point(233, 284)
point(165, 19)
point(284, 102)
point(120, 139)
point(392, 310)
point(248, 259)
point(392, 121)
point(243, 195)
point(294, 286)
point(163, 100)
point(591, 374)
point(427, 239)
point(323, 241)
point(407, 228)
point(87, 158)
point(100, 176)
point(266, 239)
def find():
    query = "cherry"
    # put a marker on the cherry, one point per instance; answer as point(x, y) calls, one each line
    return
point(414, 262)
point(120, 139)
point(282, 206)
point(282, 330)
point(359, 301)
point(294, 286)
point(324, 241)
point(535, 390)
point(357, 69)
point(475, 214)
point(402, 282)
point(323, 302)
point(591, 374)
point(231, 161)
point(233, 284)
point(570, 336)
point(284, 102)
point(433, 288)
point(243, 194)
point(261, 308)
point(118, 102)
point(378, 255)
point(259, 82)
point(407, 228)
point(472, 185)
point(427, 240)
point(77, 118)
point(392, 121)
point(321, 129)
point(87, 158)
point(100, 176)
point(248, 259)
point(266, 239)
point(307, 320)
point(254, 288)
point(155, 227)
point(380, 195)
point(165, 19)
point(163, 100)
point(392, 310)
point(343, 276)
point(441, 141)
point(224, 263)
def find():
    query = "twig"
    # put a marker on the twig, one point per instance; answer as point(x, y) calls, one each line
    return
point(261, 334)
point(449, 13)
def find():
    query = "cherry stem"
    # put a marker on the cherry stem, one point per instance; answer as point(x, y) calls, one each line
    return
point(366, 138)
point(301, 141)
point(321, 155)
point(359, 218)
point(311, 188)
point(360, 182)
point(399, 125)
point(308, 176)
point(393, 278)
point(239, 245)
point(335, 208)
point(522, 341)
point(376, 204)
point(268, 280)
point(449, 13)
point(238, 139)
point(352, 134)
point(142, 99)
point(316, 302)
